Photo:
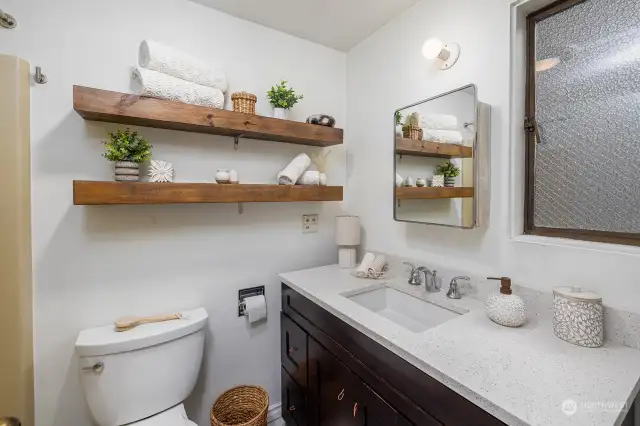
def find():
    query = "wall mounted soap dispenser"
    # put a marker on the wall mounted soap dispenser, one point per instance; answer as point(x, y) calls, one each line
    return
point(505, 308)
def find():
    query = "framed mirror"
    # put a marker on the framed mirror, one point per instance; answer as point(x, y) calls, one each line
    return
point(436, 167)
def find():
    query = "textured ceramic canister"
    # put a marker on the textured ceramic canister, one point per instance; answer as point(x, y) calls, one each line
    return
point(127, 171)
point(578, 316)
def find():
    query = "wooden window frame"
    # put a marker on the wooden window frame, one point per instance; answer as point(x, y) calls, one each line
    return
point(626, 238)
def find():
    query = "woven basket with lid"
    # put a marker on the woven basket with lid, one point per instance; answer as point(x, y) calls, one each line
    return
point(410, 131)
point(244, 102)
point(241, 406)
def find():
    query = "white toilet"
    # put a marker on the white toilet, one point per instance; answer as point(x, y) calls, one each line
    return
point(142, 376)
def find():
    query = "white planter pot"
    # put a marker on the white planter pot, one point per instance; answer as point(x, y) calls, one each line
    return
point(127, 171)
point(223, 176)
point(280, 113)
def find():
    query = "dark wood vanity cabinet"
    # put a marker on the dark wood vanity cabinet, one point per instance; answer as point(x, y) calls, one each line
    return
point(333, 375)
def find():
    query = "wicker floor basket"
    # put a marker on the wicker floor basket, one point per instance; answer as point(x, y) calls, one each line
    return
point(244, 102)
point(241, 406)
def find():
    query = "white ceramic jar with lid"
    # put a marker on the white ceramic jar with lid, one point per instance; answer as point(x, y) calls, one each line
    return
point(578, 316)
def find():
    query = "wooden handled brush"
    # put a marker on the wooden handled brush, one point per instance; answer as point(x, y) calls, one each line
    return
point(128, 323)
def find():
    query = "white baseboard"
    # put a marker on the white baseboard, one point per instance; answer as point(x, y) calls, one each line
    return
point(274, 412)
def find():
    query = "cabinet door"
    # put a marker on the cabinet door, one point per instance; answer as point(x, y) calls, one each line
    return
point(294, 350)
point(339, 398)
point(294, 404)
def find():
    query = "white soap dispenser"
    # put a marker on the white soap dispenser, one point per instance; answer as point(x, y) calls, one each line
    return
point(505, 308)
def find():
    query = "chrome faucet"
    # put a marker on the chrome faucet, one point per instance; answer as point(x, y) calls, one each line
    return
point(422, 275)
point(454, 289)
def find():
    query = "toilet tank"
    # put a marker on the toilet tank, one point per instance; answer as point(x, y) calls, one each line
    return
point(135, 374)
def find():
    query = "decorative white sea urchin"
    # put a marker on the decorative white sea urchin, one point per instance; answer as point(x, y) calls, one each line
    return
point(160, 171)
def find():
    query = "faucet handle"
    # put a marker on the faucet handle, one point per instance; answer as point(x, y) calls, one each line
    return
point(414, 277)
point(413, 267)
point(454, 289)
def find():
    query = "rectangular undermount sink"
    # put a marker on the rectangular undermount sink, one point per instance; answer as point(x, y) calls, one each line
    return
point(407, 311)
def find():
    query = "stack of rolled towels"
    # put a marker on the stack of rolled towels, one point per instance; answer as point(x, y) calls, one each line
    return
point(167, 73)
point(372, 266)
point(441, 128)
point(297, 172)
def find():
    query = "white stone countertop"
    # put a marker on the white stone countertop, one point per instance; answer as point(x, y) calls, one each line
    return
point(522, 375)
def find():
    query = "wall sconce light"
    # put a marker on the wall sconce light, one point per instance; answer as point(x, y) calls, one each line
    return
point(447, 54)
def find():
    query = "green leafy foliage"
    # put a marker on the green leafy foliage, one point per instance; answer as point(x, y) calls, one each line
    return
point(127, 146)
point(448, 169)
point(281, 96)
point(398, 118)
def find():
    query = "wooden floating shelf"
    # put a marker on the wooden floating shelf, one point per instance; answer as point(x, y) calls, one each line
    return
point(104, 193)
point(432, 149)
point(123, 108)
point(431, 193)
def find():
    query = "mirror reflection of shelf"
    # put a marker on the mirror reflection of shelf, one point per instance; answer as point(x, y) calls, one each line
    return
point(432, 149)
point(430, 193)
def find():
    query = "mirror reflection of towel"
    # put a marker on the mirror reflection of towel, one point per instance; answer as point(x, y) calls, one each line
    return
point(442, 136)
point(439, 121)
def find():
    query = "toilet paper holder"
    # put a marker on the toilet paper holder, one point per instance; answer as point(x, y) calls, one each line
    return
point(247, 292)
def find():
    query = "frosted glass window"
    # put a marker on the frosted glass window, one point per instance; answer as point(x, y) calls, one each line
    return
point(585, 79)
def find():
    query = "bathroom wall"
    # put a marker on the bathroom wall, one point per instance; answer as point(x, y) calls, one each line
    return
point(387, 71)
point(93, 264)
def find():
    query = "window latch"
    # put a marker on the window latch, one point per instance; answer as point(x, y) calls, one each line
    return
point(531, 126)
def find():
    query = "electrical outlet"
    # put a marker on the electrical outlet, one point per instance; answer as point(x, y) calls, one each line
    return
point(310, 223)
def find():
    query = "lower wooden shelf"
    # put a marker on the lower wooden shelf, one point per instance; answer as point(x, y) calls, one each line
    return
point(104, 193)
point(430, 193)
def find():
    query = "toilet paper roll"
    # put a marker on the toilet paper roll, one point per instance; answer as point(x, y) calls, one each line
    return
point(255, 308)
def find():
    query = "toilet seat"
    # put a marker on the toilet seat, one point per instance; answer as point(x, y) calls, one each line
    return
point(175, 416)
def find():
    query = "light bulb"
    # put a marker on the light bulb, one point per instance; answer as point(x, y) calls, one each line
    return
point(432, 48)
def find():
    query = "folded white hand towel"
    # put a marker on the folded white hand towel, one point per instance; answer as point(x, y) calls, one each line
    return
point(443, 136)
point(440, 121)
point(363, 269)
point(167, 60)
point(295, 169)
point(377, 266)
point(157, 85)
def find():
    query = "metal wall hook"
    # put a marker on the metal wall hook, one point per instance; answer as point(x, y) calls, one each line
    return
point(7, 21)
point(39, 77)
point(236, 141)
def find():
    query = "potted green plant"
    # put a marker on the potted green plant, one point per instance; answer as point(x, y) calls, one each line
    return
point(398, 124)
point(127, 150)
point(282, 99)
point(450, 171)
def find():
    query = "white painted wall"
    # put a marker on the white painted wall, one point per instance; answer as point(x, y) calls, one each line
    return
point(387, 71)
point(93, 264)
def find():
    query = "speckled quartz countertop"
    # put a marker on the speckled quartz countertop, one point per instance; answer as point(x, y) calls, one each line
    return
point(522, 376)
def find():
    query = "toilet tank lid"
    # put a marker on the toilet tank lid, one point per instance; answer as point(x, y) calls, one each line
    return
point(105, 340)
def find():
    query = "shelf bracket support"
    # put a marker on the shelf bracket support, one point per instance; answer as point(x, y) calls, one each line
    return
point(400, 159)
point(236, 141)
point(240, 208)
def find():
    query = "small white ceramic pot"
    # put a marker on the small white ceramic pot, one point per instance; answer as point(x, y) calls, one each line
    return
point(323, 179)
point(127, 171)
point(223, 176)
point(233, 176)
point(280, 113)
point(408, 182)
point(420, 182)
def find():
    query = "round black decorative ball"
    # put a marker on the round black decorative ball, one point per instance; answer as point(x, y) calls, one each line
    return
point(322, 120)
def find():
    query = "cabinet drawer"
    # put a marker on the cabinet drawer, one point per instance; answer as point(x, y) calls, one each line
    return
point(293, 343)
point(294, 403)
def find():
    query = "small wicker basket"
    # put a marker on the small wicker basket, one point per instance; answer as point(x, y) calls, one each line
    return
point(241, 406)
point(244, 102)
point(410, 131)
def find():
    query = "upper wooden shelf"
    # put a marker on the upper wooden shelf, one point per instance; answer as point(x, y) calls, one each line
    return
point(431, 193)
point(115, 107)
point(104, 193)
point(431, 149)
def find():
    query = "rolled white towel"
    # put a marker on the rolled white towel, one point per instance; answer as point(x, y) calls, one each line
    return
point(439, 121)
point(363, 269)
point(442, 136)
point(295, 169)
point(157, 85)
point(377, 266)
point(167, 60)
